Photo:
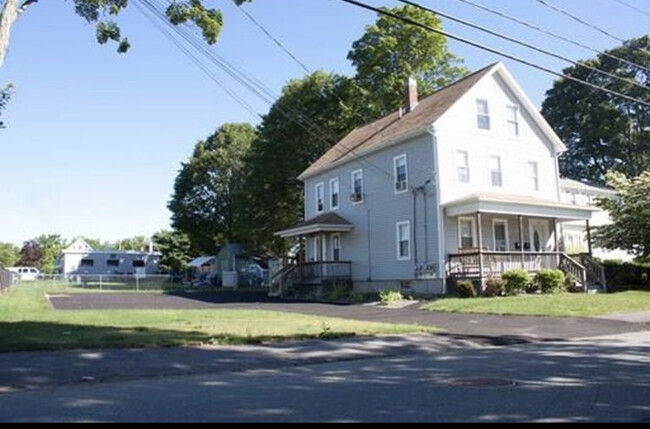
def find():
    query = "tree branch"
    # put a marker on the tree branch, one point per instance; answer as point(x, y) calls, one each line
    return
point(25, 5)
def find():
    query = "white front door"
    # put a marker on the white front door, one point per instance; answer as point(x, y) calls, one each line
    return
point(539, 236)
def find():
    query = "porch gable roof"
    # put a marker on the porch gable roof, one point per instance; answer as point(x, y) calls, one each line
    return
point(508, 204)
point(327, 222)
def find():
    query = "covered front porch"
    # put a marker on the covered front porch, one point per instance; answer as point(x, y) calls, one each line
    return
point(488, 235)
point(319, 264)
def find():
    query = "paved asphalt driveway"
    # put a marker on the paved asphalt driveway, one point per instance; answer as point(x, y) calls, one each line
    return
point(498, 328)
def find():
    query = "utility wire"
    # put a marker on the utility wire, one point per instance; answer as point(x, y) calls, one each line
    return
point(494, 51)
point(626, 4)
point(522, 43)
point(552, 34)
point(311, 128)
point(583, 22)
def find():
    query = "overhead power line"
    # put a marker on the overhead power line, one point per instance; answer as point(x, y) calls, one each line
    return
point(522, 43)
point(557, 36)
point(626, 4)
point(494, 51)
point(252, 84)
point(583, 22)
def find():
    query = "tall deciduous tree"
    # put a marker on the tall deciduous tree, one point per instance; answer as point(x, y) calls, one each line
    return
point(9, 255)
point(205, 203)
point(51, 245)
point(102, 13)
point(176, 251)
point(31, 254)
point(301, 126)
point(138, 243)
point(392, 50)
point(630, 214)
point(603, 132)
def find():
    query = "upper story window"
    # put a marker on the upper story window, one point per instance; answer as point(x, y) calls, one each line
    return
point(357, 187)
point(533, 176)
point(403, 241)
point(334, 194)
point(496, 176)
point(512, 120)
point(400, 173)
point(483, 114)
point(320, 197)
point(462, 166)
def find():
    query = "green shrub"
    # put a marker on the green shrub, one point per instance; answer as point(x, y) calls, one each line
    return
point(387, 297)
point(465, 289)
point(626, 276)
point(517, 281)
point(550, 281)
point(494, 286)
point(339, 292)
point(571, 284)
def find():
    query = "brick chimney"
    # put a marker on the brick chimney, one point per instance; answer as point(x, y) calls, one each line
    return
point(411, 94)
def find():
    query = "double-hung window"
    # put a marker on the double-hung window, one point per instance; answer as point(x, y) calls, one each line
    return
point(466, 232)
point(400, 173)
point(496, 177)
point(320, 197)
point(512, 120)
point(462, 166)
point(357, 187)
point(403, 232)
point(533, 176)
point(483, 114)
point(334, 194)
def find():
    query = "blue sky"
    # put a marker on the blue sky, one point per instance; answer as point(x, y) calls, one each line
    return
point(95, 139)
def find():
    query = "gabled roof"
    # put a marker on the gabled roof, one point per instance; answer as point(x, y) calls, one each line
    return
point(201, 261)
point(397, 127)
point(78, 245)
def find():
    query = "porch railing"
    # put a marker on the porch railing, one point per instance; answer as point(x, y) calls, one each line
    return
point(494, 263)
point(316, 272)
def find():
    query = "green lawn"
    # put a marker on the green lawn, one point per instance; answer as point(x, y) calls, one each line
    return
point(28, 323)
point(548, 305)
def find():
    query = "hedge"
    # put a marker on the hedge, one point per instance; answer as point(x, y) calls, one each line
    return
point(623, 276)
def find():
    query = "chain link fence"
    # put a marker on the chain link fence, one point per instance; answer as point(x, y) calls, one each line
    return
point(115, 282)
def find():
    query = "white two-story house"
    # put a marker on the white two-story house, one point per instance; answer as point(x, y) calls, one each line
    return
point(463, 183)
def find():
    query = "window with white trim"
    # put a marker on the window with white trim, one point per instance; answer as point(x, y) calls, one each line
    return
point(500, 234)
point(512, 119)
point(496, 177)
point(334, 194)
point(466, 232)
point(357, 187)
point(320, 197)
point(336, 247)
point(403, 235)
point(483, 114)
point(533, 176)
point(462, 166)
point(400, 174)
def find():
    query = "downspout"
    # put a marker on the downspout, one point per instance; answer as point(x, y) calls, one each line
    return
point(415, 227)
point(436, 178)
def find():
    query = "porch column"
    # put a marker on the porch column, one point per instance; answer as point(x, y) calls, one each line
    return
point(555, 243)
point(480, 248)
point(521, 241)
point(589, 244)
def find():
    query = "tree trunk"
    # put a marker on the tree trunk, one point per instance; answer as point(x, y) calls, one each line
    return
point(8, 15)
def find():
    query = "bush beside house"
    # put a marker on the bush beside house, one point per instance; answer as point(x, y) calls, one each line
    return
point(622, 276)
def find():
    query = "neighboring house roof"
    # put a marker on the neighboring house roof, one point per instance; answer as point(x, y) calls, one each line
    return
point(78, 245)
point(201, 261)
point(399, 126)
point(327, 222)
point(515, 205)
point(574, 185)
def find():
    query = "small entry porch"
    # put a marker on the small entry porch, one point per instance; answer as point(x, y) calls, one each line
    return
point(319, 264)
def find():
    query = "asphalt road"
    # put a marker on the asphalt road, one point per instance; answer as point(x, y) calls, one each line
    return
point(596, 380)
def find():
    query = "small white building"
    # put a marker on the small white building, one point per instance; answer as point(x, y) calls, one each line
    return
point(576, 235)
point(80, 258)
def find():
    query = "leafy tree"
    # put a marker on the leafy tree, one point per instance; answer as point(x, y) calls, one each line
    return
point(176, 250)
point(630, 214)
point(9, 255)
point(603, 132)
point(97, 244)
point(31, 254)
point(102, 13)
point(392, 50)
point(139, 243)
point(306, 121)
point(51, 245)
point(205, 203)
point(5, 96)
